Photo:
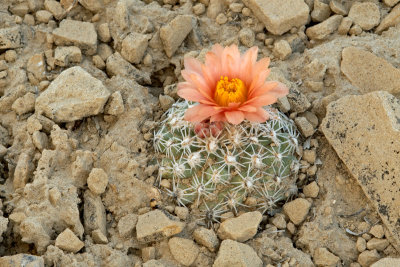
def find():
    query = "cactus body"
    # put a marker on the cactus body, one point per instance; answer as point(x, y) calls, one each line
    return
point(219, 167)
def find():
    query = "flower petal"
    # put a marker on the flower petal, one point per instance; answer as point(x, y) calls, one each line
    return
point(197, 81)
point(193, 95)
point(261, 115)
point(200, 112)
point(262, 100)
point(234, 117)
point(247, 108)
point(218, 117)
point(192, 64)
point(246, 66)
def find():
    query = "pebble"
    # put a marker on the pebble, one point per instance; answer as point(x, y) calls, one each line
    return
point(55, 8)
point(155, 225)
point(78, 33)
point(115, 105)
point(127, 224)
point(148, 253)
point(323, 257)
point(236, 7)
point(390, 20)
point(94, 214)
point(345, 25)
point(361, 244)
point(298, 101)
point(98, 62)
point(103, 30)
point(378, 244)
point(311, 190)
point(366, 15)
point(64, 55)
point(304, 126)
point(387, 262)
point(10, 55)
point(104, 51)
point(297, 210)
point(206, 237)
point(199, 9)
point(23, 170)
point(279, 16)
point(22, 260)
point(134, 47)
point(283, 104)
point(279, 221)
point(390, 3)
point(24, 104)
point(324, 29)
point(153, 263)
point(40, 140)
point(20, 9)
point(3, 150)
point(97, 181)
point(182, 212)
point(117, 65)
point(377, 231)
point(368, 257)
point(247, 37)
point(43, 16)
point(321, 11)
point(310, 155)
point(173, 34)
point(241, 228)
point(282, 49)
point(10, 38)
point(232, 253)
point(355, 30)
point(98, 237)
point(68, 241)
point(337, 7)
point(221, 19)
point(184, 250)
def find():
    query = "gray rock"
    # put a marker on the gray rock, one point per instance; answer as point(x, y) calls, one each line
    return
point(21, 260)
point(206, 237)
point(94, 214)
point(10, 38)
point(173, 34)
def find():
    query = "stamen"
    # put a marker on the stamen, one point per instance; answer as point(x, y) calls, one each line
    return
point(233, 91)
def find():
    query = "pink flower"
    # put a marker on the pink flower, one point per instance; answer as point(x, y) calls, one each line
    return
point(229, 86)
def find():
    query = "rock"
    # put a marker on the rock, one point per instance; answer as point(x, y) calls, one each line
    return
point(337, 7)
point(94, 214)
point(98, 62)
point(322, 257)
point(282, 49)
point(321, 11)
point(98, 237)
point(24, 104)
point(92, 5)
point(247, 37)
point(40, 140)
point(241, 228)
point(369, 72)
point(3, 226)
point(103, 31)
point(173, 34)
point(390, 20)
point(21, 260)
point(29, 20)
point(199, 9)
point(232, 253)
point(353, 134)
point(10, 38)
point(182, 212)
point(73, 95)
point(153, 263)
point(206, 237)
point(377, 231)
point(68, 241)
point(184, 250)
point(97, 181)
point(148, 253)
point(155, 225)
point(355, 30)
point(297, 210)
point(279, 16)
point(361, 244)
point(378, 244)
point(311, 190)
point(37, 66)
point(166, 102)
point(366, 15)
point(221, 19)
point(324, 29)
point(115, 105)
point(55, 8)
point(345, 25)
point(43, 16)
point(126, 224)
point(3, 150)
point(20, 9)
point(283, 104)
point(215, 7)
point(387, 262)
point(64, 55)
point(304, 126)
point(368, 257)
point(390, 2)
point(23, 170)
point(116, 65)
point(279, 221)
point(78, 33)
point(134, 46)
point(298, 101)
point(236, 7)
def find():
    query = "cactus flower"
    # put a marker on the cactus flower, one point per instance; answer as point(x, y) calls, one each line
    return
point(229, 86)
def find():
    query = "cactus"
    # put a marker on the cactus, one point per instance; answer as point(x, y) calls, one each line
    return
point(218, 167)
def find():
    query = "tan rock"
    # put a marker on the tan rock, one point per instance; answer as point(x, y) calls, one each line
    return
point(311, 190)
point(297, 210)
point(73, 95)
point(153, 263)
point(366, 15)
point(43, 16)
point(64, 55)
point(115, 105)
point(126, 224)
point(78, 33)
point(94, 214)
point(323, 257)
point(148, 253)
point(55, 8)
point(173, 34)
point(282, 49)
point(97, 181)
point(232, 253)
point(23, 170)
point(345, 26)
point(40, 140)
point(37, 66)
point(68, 241)
point(390, 2)
point(356, 137)
point(134, 46)
point(387, 262)
point(369, 72)
point(279, 16)
point(206, 237)
point(324, 29)
point(368, 257)
point(241, 228)
point(103, 31)
point(155, 225)
point(390, 20)
point(378, 244)
point(184, 250)
point(247, 37)
point(377, 231)
point(337, 7)
point(304, 126)
point(10, 37)
point(321, 11)
point(21, 260)
point(92, 5)
point(24, 104)
point(117, 65)
point(98, 237)
point(361, 244)
point(20, 9)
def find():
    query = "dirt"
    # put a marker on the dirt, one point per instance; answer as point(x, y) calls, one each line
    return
point(84, 84)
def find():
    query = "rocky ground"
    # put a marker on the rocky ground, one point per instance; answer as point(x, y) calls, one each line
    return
point(84, 83)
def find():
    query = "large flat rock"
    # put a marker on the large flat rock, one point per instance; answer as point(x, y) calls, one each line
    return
point(73, 95)
point(369, 72)
point(365, 132)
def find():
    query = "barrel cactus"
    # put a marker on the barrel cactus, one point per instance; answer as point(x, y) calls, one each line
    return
point(219, 167)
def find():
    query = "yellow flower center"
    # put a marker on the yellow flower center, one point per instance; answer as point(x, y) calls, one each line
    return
point(233, 91)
